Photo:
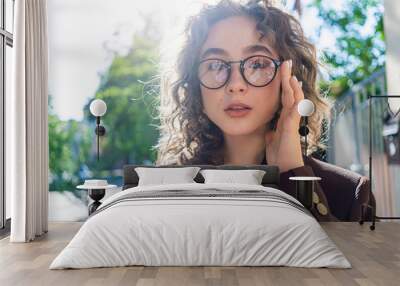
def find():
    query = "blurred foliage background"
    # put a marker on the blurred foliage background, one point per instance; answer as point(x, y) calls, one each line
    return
point(130, 87)
point(360, 43)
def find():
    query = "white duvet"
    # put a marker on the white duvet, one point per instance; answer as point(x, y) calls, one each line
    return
point(182, 231)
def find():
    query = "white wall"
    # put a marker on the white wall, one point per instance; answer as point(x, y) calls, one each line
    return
point(392, 38)
point(392, 35)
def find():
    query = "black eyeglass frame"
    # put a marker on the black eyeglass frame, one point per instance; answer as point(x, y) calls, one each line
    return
point(277, 64)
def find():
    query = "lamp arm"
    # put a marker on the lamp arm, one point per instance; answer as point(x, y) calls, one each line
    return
point(98, 137)
point(305, 137)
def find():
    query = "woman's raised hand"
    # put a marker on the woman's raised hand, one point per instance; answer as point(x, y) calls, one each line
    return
point(283, 148)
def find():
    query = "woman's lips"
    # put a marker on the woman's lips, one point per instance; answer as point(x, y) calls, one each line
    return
point(237, 111)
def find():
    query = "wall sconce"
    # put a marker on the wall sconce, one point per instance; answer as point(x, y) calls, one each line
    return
point(98, 108)
point(305, 185)
point(305, 108)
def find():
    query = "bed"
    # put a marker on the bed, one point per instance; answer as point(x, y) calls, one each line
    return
point(201, 223)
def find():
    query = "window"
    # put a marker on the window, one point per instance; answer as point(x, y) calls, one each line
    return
point(6, 44)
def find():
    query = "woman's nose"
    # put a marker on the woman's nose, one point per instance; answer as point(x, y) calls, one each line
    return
point(236, 82)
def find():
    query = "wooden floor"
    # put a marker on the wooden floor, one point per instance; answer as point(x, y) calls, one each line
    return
point(374, 255)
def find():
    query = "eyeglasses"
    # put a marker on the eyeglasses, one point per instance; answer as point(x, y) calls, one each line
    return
point(256, 70)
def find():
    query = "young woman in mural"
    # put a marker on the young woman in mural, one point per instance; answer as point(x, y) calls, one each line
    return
point(239, 77)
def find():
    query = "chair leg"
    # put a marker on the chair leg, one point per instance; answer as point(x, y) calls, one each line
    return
point(364, 208)
point(372, 227)
point(361, 222)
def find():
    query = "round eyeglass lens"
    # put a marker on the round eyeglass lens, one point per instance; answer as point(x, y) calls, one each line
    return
point(213, 73)
point(259, 70)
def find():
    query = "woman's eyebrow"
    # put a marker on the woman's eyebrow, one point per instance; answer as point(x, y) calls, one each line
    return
point(249, 49)
point(258, 48)
point(214, 51)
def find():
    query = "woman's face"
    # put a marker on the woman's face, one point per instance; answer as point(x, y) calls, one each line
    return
point(234, 39)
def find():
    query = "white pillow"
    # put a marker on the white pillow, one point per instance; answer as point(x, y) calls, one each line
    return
point(162, 176)
point(249, 177)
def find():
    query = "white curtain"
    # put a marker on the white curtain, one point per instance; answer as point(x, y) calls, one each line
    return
point(27, 133)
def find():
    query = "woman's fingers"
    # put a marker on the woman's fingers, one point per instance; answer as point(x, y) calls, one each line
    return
point(297, 88)
point(292, 95)
point(287, 96)
point(287, 93)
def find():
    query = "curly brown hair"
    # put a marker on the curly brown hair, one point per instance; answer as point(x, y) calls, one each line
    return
point(187, 136)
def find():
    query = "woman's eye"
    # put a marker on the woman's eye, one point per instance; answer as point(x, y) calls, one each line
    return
point(215, 66)
point(258, 65)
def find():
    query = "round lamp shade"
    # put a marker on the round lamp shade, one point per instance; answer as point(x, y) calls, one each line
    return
point(98, 107)
point(305, 107)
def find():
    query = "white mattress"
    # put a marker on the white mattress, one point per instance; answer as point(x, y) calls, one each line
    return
point(183, 231)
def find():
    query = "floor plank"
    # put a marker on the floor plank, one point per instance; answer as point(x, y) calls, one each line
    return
point(374, 255)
